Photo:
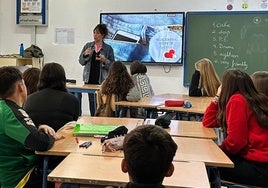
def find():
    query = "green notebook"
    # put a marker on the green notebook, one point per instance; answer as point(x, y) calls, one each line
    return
point(93, 129)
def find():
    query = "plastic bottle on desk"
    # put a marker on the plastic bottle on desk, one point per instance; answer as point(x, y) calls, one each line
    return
point(21, 50)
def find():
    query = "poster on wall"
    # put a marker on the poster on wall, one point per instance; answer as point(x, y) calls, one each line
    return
point(32, 12)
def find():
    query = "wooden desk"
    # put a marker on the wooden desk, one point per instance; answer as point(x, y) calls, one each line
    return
point(68, 145)
point(201, 150)
point(21, 61)
point(193, 129)
point(199, 105)
point(83, 88)
point(189, 149)
point(157, 102)
point(99, 170)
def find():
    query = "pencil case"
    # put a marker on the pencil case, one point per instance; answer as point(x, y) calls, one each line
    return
point(174, 103)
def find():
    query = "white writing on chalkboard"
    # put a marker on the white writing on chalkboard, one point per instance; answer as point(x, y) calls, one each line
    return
point(230, 39)
point(224, 52)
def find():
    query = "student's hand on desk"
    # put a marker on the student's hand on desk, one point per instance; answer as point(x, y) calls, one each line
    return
point(49, 130)
point(58, 136)
point(46, 129)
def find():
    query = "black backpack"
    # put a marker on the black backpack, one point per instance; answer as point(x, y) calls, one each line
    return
point(33, 51)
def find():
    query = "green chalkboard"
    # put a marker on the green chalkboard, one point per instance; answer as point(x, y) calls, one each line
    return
point(228, 39)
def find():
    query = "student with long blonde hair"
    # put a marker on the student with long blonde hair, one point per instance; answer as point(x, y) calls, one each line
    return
point(205, 80)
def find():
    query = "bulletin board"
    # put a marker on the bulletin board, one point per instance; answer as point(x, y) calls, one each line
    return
point(31, 12)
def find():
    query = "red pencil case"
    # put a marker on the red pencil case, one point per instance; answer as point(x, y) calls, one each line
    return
point(174, 103)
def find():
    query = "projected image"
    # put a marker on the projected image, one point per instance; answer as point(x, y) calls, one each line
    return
point(147, 37)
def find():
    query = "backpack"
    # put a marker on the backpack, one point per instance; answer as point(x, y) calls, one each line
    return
point(104, 108)
point(33, 51)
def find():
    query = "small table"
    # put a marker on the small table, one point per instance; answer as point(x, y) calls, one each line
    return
point(85, 88)
point(157, 102)
point(21, 61)
point(78, 89)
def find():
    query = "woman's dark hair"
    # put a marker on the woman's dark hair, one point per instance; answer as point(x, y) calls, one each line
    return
point(31, 79)
point(52, 76)
point(137, 67)
point(102, 28)
point(118, 81)
point(237, 81)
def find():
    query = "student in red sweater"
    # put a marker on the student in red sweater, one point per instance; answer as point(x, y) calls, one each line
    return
point(242, 113)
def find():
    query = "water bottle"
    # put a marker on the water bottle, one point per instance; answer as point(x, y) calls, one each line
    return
point(21, 50)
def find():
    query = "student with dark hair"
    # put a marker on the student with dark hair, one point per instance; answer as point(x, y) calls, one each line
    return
point(260, 80)
point(96, 57)
point(119, 84)
point(19, 166)
point(242, 113)
point(142, 83)
point(52, 104)
point(140, 78)
point(148, 155)
point(31, 78)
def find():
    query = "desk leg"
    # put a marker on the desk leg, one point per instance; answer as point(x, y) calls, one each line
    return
point(45, 171)
point(122, 111)
point(79, 98)
point(150, 113)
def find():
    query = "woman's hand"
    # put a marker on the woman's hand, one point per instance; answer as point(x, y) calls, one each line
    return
point(219, 91)
point(101, 58)
point(87, 52)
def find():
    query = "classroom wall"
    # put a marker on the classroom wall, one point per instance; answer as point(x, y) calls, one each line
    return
point(82, 16)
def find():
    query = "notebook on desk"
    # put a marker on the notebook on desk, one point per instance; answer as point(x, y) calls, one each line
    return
point(93, 129)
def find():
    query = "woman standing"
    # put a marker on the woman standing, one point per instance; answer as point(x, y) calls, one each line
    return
point(96, 57)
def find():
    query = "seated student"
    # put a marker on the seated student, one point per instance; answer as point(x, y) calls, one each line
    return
point(119, 84)
point(52, 104)
point(260, 80)
point(31, 78)
point(242, 113)
point(142, 82)
point(19, 166)
point(205, 80)
point(148, 155)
